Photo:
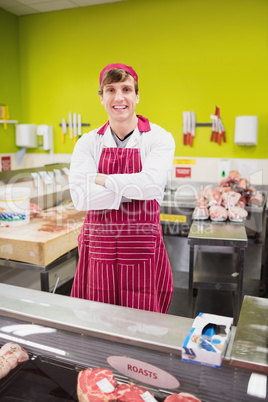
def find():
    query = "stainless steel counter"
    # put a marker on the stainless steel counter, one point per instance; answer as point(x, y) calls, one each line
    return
point(250, 348)
point(142, 328)
point(221, 270)
point(222, 233)
point(76, 334)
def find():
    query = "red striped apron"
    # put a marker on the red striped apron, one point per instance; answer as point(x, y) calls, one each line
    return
point(122, 257)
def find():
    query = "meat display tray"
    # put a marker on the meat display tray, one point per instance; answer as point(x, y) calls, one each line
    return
point(40, 379)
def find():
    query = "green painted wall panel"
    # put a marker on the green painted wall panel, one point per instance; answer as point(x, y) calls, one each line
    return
point(189, 55)
point(9, 78)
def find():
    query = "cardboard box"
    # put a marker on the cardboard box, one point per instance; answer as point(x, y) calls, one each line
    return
point(207, 340)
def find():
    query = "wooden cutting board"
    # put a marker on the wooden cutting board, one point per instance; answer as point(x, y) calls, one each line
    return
point(47, 237)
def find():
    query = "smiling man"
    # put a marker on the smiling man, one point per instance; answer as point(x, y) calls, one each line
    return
point(118, 174)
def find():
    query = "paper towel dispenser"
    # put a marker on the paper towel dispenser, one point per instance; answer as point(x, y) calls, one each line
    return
point(26, 135)
point(45, 137)
point(246, 130)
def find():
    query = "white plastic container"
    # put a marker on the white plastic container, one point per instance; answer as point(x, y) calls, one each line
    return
point(14, 205)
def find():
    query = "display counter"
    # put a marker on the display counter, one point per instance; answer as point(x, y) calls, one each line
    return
point(64, 334)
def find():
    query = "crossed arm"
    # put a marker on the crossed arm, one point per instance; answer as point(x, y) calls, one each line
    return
point(87, 185)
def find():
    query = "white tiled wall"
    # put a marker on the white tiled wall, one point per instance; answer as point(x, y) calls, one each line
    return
point(207, 169)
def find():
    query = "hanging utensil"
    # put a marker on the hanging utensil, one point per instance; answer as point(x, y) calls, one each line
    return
point(63, 129)
point(79, 129)
point(70, 125)
point(188, 127)
point(192, 130)
point(223, 132)
point(184, 121)
point(213, 132)
point(74, 128)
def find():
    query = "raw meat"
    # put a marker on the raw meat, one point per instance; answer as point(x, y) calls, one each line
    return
point(96, 385)
point(237, 213)
point(251, 191)
point(218, 213)
point(202, 203)
point(233, 176)
point(10, 355)
point(224, 189)
point(182, 397)
point(200, 212)
point(256, 199)
point(207, 191)
point(34, 209)
point(224, 183)
point(243, 184)
point(232, 191)
point(4, 367)
point(131, 393)
point(230, 199)
point(215, 197)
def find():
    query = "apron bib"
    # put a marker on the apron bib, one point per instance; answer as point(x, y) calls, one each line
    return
point(122, 257)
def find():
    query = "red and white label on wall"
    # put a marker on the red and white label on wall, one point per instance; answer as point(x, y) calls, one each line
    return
point(143, 372)
point(5, 163)
point(183, 172)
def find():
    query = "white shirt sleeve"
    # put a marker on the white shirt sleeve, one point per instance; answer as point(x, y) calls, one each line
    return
point(157, 164)
point(86, 195)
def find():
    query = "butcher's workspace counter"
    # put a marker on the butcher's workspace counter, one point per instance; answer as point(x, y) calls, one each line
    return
point(65, 332)
point(45, 238)
point(218, 233)
point(47, 242)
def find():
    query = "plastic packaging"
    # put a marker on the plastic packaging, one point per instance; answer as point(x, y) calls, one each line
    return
point(14, 205)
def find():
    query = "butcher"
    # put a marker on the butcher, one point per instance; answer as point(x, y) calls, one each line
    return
point(118, 173)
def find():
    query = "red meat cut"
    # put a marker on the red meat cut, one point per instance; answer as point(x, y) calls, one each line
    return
point(256, 199)
point(96, 385)
point(237, 213)
point(182, 397)
point(131, 392)
point(218, 212)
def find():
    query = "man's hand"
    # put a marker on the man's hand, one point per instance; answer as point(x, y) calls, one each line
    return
point(100, 179)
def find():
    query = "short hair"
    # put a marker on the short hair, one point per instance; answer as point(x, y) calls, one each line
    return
point(116, 75)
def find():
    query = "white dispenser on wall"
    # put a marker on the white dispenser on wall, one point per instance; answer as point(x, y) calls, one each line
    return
point(45, 137)
point(224, 167)
point(26, 135)
point(246, 130)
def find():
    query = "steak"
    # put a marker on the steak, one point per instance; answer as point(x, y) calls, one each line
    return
point(218, 212)
point(182, 397)
point(237, 213)
point(96, 385)
point(131, 392)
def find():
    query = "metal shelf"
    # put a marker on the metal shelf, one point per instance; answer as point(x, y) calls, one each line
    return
point(215, 271)
point(9, 121)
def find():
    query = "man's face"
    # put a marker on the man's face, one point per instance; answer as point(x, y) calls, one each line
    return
point(120, 99)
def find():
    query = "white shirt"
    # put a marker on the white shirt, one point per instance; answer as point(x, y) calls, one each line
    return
point(157, 148)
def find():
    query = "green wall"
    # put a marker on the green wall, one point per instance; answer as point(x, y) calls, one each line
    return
point(189, 55)
point(9, 77)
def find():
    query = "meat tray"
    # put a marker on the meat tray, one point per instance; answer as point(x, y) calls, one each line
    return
point(44, 379)
point(40, 379)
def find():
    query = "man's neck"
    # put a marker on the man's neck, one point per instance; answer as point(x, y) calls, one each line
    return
point(121, 129)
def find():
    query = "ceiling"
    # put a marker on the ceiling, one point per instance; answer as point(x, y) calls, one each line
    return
point(26, 7)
